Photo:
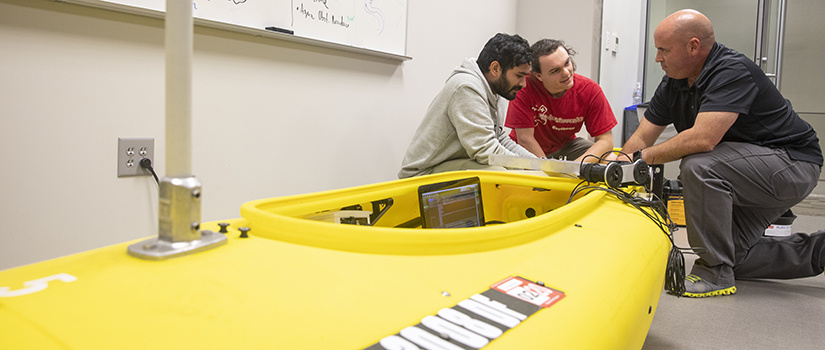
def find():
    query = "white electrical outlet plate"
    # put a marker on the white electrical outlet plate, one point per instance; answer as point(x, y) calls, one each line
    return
point(129, 153)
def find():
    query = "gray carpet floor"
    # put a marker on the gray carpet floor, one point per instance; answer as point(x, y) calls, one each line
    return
point(763, 314)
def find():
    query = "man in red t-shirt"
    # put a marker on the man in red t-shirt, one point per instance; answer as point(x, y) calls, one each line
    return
point(550, 110)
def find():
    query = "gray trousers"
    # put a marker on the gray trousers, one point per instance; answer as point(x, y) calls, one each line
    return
point(572, 149)
point(732, 194)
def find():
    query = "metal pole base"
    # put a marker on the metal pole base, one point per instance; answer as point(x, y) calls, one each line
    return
point(158, 249)
point(179, 223)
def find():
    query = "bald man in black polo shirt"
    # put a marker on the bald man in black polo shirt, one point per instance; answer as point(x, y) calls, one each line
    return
point(747, 158)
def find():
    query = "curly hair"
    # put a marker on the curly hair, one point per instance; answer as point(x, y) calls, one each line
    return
point(509, 50)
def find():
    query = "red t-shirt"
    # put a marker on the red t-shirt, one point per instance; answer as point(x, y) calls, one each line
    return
point(557, 120)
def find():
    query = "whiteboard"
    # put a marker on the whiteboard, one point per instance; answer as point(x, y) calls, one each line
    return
point(379, 24)
point(371, 25)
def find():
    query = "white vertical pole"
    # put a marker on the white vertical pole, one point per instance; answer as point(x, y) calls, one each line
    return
point(179, 88)
point(179, 197)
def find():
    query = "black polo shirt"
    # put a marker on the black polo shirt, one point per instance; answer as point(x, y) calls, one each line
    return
point(731, 82)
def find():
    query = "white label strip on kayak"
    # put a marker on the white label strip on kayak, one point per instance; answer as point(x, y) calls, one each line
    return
point(476, 321)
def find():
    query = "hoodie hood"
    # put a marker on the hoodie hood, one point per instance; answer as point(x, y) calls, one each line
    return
point(470, 66)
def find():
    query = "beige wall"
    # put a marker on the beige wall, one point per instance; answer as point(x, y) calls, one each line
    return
point(575, 22)
point(270, 118)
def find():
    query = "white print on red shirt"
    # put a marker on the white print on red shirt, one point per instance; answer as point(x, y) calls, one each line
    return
point(542, 117)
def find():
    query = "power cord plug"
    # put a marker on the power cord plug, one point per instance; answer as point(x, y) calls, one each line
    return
point(146, 163)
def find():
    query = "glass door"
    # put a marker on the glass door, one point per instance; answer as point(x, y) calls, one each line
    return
point(734, 23)
point(769, 35)
point(783, 37)
point(800, 67)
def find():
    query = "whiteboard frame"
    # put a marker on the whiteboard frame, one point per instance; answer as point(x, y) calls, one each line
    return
point(240, 29)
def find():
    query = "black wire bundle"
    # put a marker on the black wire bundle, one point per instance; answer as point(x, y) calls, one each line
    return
point(675, 270)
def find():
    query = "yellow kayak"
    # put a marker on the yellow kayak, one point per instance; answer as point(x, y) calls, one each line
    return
point(354, 269)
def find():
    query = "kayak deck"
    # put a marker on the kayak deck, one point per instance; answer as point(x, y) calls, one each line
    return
point(308, 284)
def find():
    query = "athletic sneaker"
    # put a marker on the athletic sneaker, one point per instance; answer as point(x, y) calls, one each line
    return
point(696, 287)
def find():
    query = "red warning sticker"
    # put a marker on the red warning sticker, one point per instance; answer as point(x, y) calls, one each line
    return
point(530, 292)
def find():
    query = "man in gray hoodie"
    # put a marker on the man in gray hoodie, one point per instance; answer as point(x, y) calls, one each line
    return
point(461, 128)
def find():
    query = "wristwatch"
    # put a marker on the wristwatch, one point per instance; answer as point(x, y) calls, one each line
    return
point(637, 155)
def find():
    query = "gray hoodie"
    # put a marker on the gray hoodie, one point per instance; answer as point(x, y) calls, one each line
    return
point(461, 123)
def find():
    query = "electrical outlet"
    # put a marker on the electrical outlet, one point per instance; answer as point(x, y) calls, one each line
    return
point(129, 153)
